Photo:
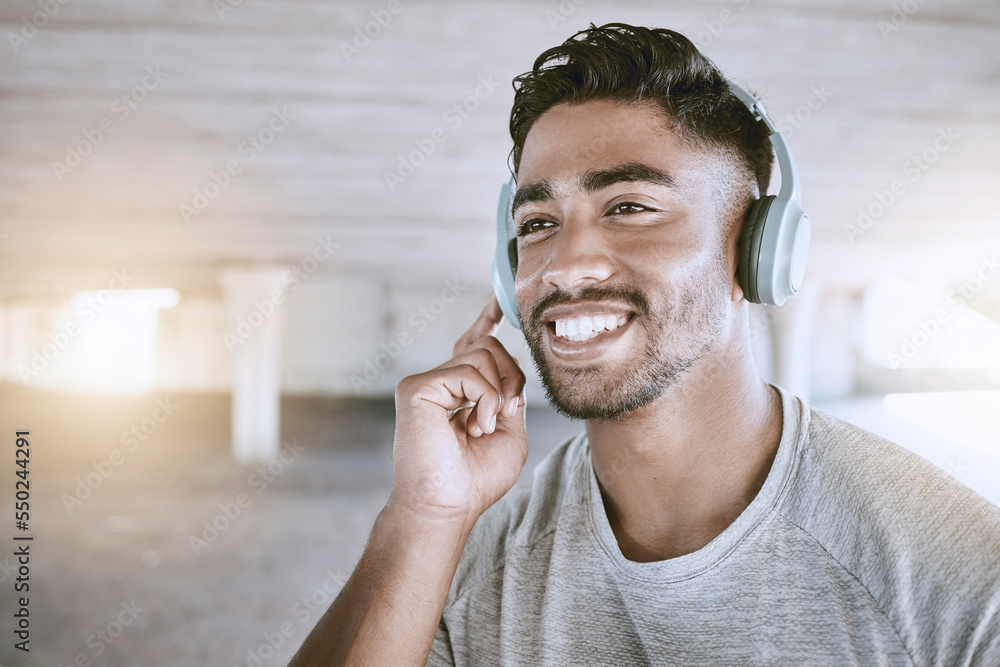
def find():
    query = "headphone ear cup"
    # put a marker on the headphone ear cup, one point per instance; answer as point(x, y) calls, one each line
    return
point(504, 265)
point(749, 255)
point(503, 284)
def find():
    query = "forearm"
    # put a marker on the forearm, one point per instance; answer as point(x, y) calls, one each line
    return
point(388, 611)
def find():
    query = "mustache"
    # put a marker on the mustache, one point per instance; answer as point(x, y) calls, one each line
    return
point(620, 293)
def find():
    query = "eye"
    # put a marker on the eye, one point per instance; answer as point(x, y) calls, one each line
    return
point(533, 225)
point(626, 207)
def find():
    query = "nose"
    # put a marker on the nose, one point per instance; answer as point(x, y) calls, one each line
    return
point(579, 255)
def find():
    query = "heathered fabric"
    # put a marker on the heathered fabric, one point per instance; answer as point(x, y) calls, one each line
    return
point(854, 552)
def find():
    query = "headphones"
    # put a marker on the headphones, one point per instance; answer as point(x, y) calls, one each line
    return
point(774, 243)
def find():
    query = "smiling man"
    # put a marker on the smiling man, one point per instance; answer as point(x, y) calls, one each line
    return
point(705, 517)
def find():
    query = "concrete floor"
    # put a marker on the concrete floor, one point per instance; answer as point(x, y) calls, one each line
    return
point(279, 562)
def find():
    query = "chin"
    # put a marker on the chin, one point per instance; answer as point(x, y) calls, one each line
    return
point(608, 391)
point(599, 406)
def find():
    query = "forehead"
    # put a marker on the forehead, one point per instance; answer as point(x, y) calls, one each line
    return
point(569, 139)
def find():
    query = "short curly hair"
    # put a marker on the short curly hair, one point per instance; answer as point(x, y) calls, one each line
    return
point(630, 64)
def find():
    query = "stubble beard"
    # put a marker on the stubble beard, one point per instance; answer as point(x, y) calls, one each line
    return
point(678, 326)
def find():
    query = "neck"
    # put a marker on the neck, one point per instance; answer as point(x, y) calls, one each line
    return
point(677, 472)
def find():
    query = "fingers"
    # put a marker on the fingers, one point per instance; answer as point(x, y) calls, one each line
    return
point(499, 367)
point(482, 376)
point(483, 416)
point(453, 387)
point(514, 419)
point(512, 378)
point(485, 325)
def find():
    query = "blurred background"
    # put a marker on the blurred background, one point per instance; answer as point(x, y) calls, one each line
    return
point(229, 227)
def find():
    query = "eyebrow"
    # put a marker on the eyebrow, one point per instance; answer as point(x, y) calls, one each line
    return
point(592, 181)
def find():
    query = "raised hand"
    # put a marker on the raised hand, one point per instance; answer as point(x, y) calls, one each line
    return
point(460, 443)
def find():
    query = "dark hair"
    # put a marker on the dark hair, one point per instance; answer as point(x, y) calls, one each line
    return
point(629, 64)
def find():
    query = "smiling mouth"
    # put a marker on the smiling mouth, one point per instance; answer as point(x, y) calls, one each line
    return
point(587, 327)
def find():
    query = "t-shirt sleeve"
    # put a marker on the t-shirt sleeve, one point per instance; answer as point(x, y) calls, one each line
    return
point(441, 654)
point(923, 544)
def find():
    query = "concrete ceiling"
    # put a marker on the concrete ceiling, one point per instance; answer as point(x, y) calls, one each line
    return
point(891, 85)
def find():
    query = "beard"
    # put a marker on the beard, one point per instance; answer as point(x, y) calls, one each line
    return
point(680, 325)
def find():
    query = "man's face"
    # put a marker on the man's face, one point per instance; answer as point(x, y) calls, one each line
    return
point(624, 280)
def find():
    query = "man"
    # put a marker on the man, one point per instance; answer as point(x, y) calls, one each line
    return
point(705, 517)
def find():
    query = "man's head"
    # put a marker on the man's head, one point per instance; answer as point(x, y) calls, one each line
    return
point(635, 165)
point(629, 64)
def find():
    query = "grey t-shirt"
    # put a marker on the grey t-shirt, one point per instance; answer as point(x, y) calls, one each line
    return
point(855, 551)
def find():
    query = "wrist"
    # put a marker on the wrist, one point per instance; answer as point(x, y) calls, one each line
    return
point(400, 517)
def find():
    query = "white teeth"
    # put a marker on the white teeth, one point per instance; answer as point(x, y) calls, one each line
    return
point(587, 327)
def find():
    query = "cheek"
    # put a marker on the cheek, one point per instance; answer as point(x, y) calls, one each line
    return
point(527, 286)
point(663, 259)
point(532, 260)
point(673, 278)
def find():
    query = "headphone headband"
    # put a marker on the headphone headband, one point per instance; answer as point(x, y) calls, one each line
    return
point(786, 163)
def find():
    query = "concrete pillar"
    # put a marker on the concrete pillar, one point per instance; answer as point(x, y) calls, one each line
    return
point(834, 353)
point(792, 335)
point(255, 298)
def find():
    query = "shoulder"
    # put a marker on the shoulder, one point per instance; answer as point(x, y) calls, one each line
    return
point(923, 544)
point(523, 517)
point(846, 468)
